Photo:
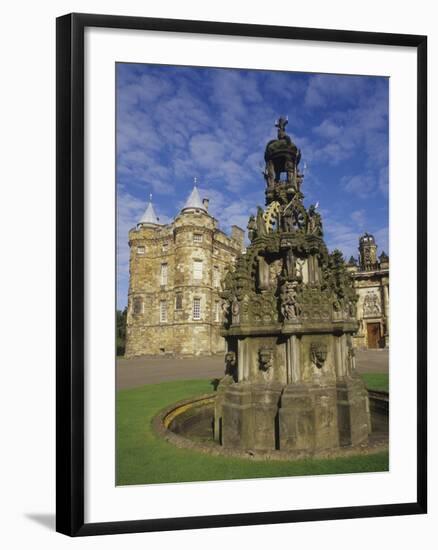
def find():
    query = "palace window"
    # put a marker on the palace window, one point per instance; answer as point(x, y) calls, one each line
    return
point(137, 306)
point(163, 274)
point(216, 277)
point(178, 301)
point(217, 311)
point(196, 309)
point(163, 311)
point(140, 250)
point(197, 270)
point(197, 237)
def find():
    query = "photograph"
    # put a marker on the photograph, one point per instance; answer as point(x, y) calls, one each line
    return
point(216, 229)
point(252, 273)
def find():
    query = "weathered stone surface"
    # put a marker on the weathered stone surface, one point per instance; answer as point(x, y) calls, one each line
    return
point(353, 411)
point(192, 236)
point(290, 319)
point(249, 412)
point(308, 418)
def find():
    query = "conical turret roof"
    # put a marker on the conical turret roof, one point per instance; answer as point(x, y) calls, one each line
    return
point(194, 201)
point(149, 216)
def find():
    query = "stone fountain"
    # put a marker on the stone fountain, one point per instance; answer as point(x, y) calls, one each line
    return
point(289, 306)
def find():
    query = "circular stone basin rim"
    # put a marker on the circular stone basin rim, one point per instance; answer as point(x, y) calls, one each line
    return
point(163, 420)
point(183, 406)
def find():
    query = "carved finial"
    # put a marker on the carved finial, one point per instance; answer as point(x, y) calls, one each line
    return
point(150, 197)
point(281, 123)
point(195, 180)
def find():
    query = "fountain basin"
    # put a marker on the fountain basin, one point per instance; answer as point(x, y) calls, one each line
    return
point(189, 424)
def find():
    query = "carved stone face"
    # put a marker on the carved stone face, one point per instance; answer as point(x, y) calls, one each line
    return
point(230, 358)
point(266, 356)
point(318, 353)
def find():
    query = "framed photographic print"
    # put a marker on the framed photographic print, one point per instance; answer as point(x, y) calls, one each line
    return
point(241, 274)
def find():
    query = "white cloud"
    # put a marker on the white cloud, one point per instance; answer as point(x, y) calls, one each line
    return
point(341, 235)
point(324, 88)
point(359, 218)
point(328, 129)
point(362, 185)
point(207, 151)
point(359, 129)
point(383, 181)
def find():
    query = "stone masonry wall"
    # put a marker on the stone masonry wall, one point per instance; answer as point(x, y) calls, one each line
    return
point(192, 237)
point(375, 284)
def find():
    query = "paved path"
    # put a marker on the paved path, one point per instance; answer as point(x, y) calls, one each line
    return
point(151, 370)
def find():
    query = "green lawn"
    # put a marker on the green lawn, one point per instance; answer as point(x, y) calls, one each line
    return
point(142, 457)
point(377, 381)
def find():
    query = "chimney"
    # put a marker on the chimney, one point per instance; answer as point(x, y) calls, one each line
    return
point(205, 202)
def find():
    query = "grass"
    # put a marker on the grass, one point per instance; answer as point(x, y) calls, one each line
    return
point(377, 381)
point(143, 458)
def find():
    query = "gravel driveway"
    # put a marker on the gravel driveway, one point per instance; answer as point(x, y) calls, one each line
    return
point(151, 370)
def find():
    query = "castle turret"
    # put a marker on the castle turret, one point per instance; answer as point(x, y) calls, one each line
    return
point(194, 202)
point(384, 260)
point(149, 217)
point(368, 252)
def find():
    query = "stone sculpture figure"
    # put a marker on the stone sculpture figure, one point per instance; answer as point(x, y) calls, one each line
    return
point(260, 223)
point(231, 364)
point(290, 308)
point(252, 228)
point(288, 222)
point(281, 124)
point(226, 309)
point(314, 224)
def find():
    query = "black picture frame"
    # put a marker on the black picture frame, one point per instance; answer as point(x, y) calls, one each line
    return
point(70, 273)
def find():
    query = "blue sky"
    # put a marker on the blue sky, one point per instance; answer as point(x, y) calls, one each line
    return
point(177, 123)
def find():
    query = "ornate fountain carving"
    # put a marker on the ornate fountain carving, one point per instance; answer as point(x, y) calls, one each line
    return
point(290, 307)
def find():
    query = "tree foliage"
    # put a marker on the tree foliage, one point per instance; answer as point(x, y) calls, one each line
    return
point(121, 331)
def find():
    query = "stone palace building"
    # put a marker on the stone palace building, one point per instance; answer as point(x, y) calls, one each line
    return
point(175, 278)
point(371, 281)
point(176, 272)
